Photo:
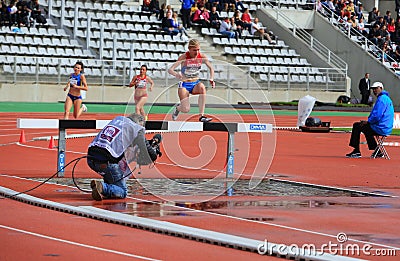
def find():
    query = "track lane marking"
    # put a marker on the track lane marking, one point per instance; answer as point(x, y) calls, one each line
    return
point(77, 244)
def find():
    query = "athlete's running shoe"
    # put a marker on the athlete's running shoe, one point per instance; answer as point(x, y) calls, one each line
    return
point(84, 108)
point(97, 189)
point(204, 119)
point(175, 113)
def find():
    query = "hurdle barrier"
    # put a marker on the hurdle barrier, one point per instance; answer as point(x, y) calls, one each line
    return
point(166, 126)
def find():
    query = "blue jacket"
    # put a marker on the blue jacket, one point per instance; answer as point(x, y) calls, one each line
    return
point(382, 115)
point(187, 4)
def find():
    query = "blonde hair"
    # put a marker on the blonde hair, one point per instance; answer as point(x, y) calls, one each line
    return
point(194, 43)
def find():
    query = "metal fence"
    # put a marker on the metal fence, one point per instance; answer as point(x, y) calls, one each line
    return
point(42, 70)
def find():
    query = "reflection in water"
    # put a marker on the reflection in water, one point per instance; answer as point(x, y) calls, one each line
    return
point(225, 207)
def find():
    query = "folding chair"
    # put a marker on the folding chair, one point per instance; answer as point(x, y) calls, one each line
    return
point(380, 147)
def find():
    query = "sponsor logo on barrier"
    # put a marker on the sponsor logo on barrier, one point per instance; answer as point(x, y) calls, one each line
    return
point(230, 165)
point(258, 127)
point(61, 162)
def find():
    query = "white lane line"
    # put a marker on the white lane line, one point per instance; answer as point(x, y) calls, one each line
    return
point(43, 148)
point(77, 244)
point(36, 133)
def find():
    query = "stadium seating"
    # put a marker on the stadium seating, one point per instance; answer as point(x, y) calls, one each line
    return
point(126, 25)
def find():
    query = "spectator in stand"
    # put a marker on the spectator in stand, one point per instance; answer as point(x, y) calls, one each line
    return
point(391, 27)
point(214, 18)
point(193, 10)
point(185, 11)
point(201, 3)
point(154, 7)
point(226, 28)
point(177, 26)
point(146, 6)
point(350, 8)
point(374, 34)
point(387, 16)
point(12, 14)
point(238, 20)
point(359, 9)
point(384, 34)
point(3, 11)
point(209, 4)
point(37, 12)
point(23, 13)
point(386, 52)
point(256, 30)
point(161, 15)
point(361, 27)
point(238, 3)
point(397, 8)
point(397, 32)
point(202, 17)
point(373, 15)
point(167, 26)
point(331, 6)
point(237, 29)
point(396, 54)
point(228, 5)
point(318, 6)
point(380, 21)
point(353, 23)
point(246, 19)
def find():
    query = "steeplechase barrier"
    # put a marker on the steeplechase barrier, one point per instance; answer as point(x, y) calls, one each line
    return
point(166, 126)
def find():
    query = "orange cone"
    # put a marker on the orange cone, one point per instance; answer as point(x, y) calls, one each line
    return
point(22, 137)
point(51, 143)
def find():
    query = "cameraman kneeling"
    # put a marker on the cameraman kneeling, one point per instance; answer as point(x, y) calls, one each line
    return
point(121, 141)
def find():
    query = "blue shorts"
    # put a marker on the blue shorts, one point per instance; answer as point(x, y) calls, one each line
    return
point(73, 98)
point(188, 85)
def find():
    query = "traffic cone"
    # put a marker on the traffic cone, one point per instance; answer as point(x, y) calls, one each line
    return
point(22, 137)
point(51, 143)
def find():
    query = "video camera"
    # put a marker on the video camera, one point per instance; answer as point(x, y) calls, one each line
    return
point(155, 143)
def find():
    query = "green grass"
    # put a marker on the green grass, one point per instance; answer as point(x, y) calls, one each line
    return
point(295, 103)
point(57, 107)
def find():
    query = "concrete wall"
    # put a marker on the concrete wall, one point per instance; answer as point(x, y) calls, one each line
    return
point(221, 95)
point(302, 18)
point(383, 6)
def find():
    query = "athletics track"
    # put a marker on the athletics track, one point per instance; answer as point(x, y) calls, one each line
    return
point(34, 233)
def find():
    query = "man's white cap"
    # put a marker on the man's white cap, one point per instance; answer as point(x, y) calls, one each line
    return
point(377, 84)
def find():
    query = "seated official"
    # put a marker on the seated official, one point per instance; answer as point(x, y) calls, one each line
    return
point(380, 122)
